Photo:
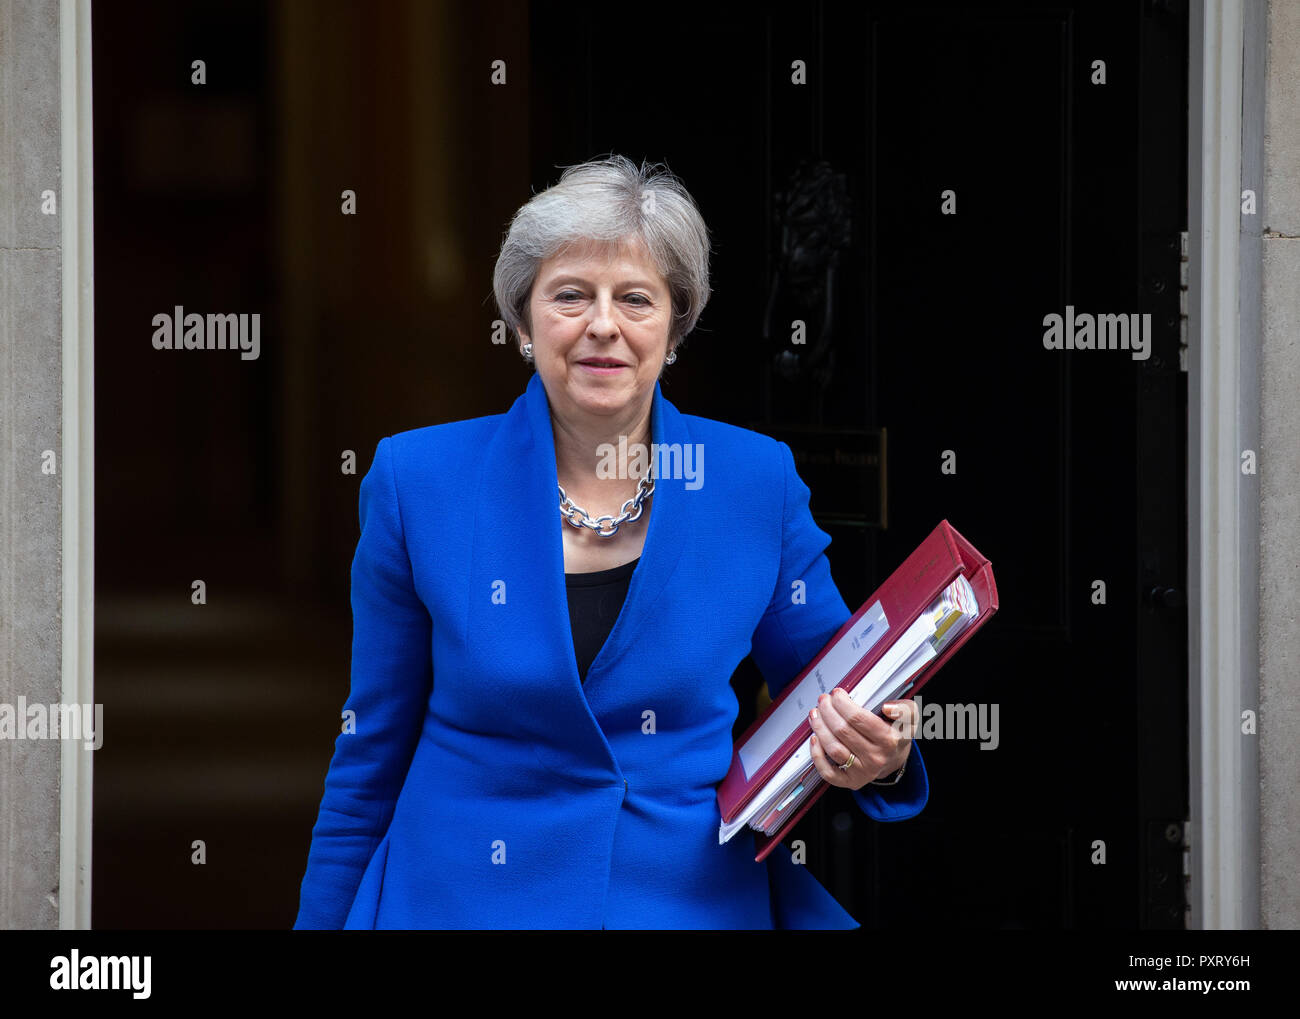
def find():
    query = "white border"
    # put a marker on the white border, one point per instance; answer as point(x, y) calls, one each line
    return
point(78, 466)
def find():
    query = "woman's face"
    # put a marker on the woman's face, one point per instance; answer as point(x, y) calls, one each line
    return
point(601, 315)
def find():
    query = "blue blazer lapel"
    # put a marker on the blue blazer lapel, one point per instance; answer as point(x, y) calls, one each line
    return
point(518, 544)
point(664, 535)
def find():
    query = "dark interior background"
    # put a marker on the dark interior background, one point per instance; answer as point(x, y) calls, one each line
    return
point(925, 336)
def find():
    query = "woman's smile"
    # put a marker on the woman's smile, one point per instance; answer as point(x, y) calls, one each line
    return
point(602, 365)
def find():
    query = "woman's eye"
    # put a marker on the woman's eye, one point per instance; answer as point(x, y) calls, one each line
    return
point(563, 295)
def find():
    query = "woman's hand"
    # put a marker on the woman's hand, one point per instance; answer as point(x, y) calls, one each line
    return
point(841, 727)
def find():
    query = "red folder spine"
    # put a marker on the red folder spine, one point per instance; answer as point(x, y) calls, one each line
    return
point(766, 843)
point(986, 593)
point(907, 592)
point(903, 596)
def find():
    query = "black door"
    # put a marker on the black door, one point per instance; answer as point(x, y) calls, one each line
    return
point(922, 186)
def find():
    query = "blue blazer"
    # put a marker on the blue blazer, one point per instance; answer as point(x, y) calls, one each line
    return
point(484, 785)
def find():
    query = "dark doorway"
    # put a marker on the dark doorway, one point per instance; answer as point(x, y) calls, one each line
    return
point(947, 176)
point(825, 195)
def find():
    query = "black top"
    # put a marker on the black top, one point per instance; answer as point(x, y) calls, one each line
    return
point(594, 603)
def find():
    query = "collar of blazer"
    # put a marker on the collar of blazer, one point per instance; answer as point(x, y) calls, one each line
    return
point(517, 539)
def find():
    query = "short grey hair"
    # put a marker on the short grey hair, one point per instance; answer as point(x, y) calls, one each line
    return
point(605, 200)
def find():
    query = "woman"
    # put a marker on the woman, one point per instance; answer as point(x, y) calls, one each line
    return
point(541, 709)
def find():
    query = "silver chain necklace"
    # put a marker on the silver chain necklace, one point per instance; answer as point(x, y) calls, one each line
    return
point(607, 526)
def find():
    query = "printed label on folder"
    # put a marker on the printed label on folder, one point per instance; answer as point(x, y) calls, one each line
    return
point(848, 651)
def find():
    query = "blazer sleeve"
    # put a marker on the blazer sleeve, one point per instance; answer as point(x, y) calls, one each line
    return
point(392, 676)
point(800, 620)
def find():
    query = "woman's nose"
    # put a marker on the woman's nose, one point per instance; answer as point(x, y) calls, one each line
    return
point(602, 317)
